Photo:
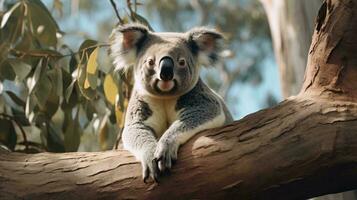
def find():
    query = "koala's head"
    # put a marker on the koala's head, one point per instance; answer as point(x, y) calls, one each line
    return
point(165, 64)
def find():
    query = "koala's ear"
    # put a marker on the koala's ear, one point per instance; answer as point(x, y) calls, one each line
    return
point(206, 43)
point(125, 43)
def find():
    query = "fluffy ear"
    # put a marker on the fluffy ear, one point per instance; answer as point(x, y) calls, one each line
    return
point(206, 43)
point(125, 43)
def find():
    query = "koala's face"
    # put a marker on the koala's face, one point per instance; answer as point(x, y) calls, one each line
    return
point(165, 64)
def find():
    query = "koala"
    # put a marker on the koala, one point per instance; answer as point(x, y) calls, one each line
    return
point(169, 103)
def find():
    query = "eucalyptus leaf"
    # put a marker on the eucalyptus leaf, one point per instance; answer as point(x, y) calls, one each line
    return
point(72, 135)
point(7, 133)
point(29, 109)
point(36, 76)
point(92, 62)
point(55, 76)
point(20, 68)
point(92, 80)
point(6, 71)
point(87, 92)
point(42, 91)
point(7, 15)
point(86, 48)
point(69, 90)
point(110, 89)
point(44, 27)
point(54, 139)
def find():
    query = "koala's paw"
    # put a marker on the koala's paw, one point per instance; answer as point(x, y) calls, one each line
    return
point(149, 166)
point(166, 154)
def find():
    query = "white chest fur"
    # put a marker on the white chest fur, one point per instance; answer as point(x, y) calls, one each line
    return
point(163, 114)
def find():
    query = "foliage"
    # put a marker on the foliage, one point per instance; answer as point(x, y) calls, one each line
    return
point(50, 89)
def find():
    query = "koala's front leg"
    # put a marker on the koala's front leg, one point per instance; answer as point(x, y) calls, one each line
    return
point(140, 140)
point(191, 121)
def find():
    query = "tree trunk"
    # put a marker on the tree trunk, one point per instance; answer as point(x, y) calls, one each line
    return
point(291, 24)
point(304, 147)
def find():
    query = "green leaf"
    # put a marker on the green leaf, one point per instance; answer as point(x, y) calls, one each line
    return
point(53, 139)
point(42, 91)
point(72, 135)
point(44, 27)
point(69, 90)
point(30, 108)
point(7, 15)
point(36, 76)
point(7, 133)
point(91, 78)
point(6, 71)
point(103, 133)
point(48, 13)
point(55, 76)
point(52, 104)
point(20, 68)
point(14, 28)
point(73, 64)
point(92, 62)
point(25, 42)
point(88, 93)
point(87, 82)
point(91, 81)
point(86, 48)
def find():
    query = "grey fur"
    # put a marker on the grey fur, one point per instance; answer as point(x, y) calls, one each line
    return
point(138, 111)
point(162, 115)
point(197, 101)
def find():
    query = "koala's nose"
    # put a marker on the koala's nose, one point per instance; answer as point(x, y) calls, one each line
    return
point(166, 68)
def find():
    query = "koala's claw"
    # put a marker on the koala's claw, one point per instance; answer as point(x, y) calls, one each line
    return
point(165, 155)
point(152, 172)
point(150, 167)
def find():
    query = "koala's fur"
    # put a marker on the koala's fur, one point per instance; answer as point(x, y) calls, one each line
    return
point(163, 114)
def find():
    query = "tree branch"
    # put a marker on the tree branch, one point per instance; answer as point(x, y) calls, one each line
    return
point(121, 21)
point(289, 151)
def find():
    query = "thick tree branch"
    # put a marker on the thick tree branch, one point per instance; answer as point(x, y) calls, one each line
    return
point(301, 148)
point(304, 147)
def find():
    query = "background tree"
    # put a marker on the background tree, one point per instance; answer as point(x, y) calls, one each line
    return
point(292, 24)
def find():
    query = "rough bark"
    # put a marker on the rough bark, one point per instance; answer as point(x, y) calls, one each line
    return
point(291, 24)
point(304, 147)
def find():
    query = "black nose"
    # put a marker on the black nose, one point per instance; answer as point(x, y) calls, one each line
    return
point(166, 69)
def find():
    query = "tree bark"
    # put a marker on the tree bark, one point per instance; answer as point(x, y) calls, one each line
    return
point(291, 24)
point(304, 147)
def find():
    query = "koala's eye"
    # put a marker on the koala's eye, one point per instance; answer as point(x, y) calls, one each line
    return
point(151, 62)
point(182, 62)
